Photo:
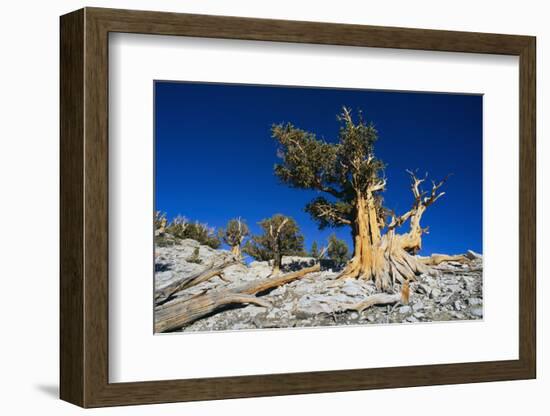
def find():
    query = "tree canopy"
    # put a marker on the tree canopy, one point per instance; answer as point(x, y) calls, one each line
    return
point(342, 170)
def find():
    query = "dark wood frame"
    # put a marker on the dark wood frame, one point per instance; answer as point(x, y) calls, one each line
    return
point(84, 207)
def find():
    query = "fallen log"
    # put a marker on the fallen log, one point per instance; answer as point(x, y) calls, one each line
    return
point(165, 294)
point(178, 313)
point(437, 259)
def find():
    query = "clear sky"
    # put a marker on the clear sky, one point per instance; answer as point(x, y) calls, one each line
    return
point(214, 154)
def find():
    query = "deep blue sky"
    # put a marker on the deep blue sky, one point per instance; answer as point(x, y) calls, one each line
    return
point(214, 154)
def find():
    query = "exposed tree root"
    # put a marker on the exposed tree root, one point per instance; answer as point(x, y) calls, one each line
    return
point(166, 293)
point(376, 299)
point(388, 263)
point(181, 312)
point(380, 299)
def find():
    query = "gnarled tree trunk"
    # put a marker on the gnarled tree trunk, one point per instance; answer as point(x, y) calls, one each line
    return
point(277, 260)
point(367, 256)
point(388, 258)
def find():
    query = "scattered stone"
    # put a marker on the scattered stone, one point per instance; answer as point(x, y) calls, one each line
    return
point(405, 309)
point(253, 310)
point(352, 288)
point(310, 305)
point(418, 306)
point(453, 288)
point(445, 299)
point(273, 313)
point(281, 290)
point(435, 293)
point(424, 288)
point(474, 301)
point(447, 292)
point(242, 326)
point(472, 255)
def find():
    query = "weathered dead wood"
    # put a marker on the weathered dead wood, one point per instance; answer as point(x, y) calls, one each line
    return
point(372, 300)
point(178, 313)
point(165, 293)
point(380, 299)
point(437, 259)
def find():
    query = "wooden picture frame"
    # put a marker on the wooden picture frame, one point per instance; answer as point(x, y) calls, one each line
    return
point(84, 207)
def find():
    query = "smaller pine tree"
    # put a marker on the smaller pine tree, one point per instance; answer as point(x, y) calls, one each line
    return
point(181, 228)
point(281, 237)
point(178, 227)
point(203, 234)
point(234, 234)
point(337, 250)
point(314, 252)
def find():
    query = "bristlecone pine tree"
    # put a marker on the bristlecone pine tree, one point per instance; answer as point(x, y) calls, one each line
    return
point(281, 237)
point(351, 175)
point(234, 234)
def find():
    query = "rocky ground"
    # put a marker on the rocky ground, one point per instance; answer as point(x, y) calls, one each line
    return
point(452, 291)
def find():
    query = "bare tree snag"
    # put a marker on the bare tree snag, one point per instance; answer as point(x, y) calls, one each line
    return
point(164, 294)
point(412, 241)
point(178, 313)
point(390, 258)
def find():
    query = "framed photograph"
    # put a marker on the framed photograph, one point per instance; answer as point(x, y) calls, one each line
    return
point(255, 207)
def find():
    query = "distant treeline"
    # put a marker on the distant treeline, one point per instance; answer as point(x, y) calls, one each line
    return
point(280, 236)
